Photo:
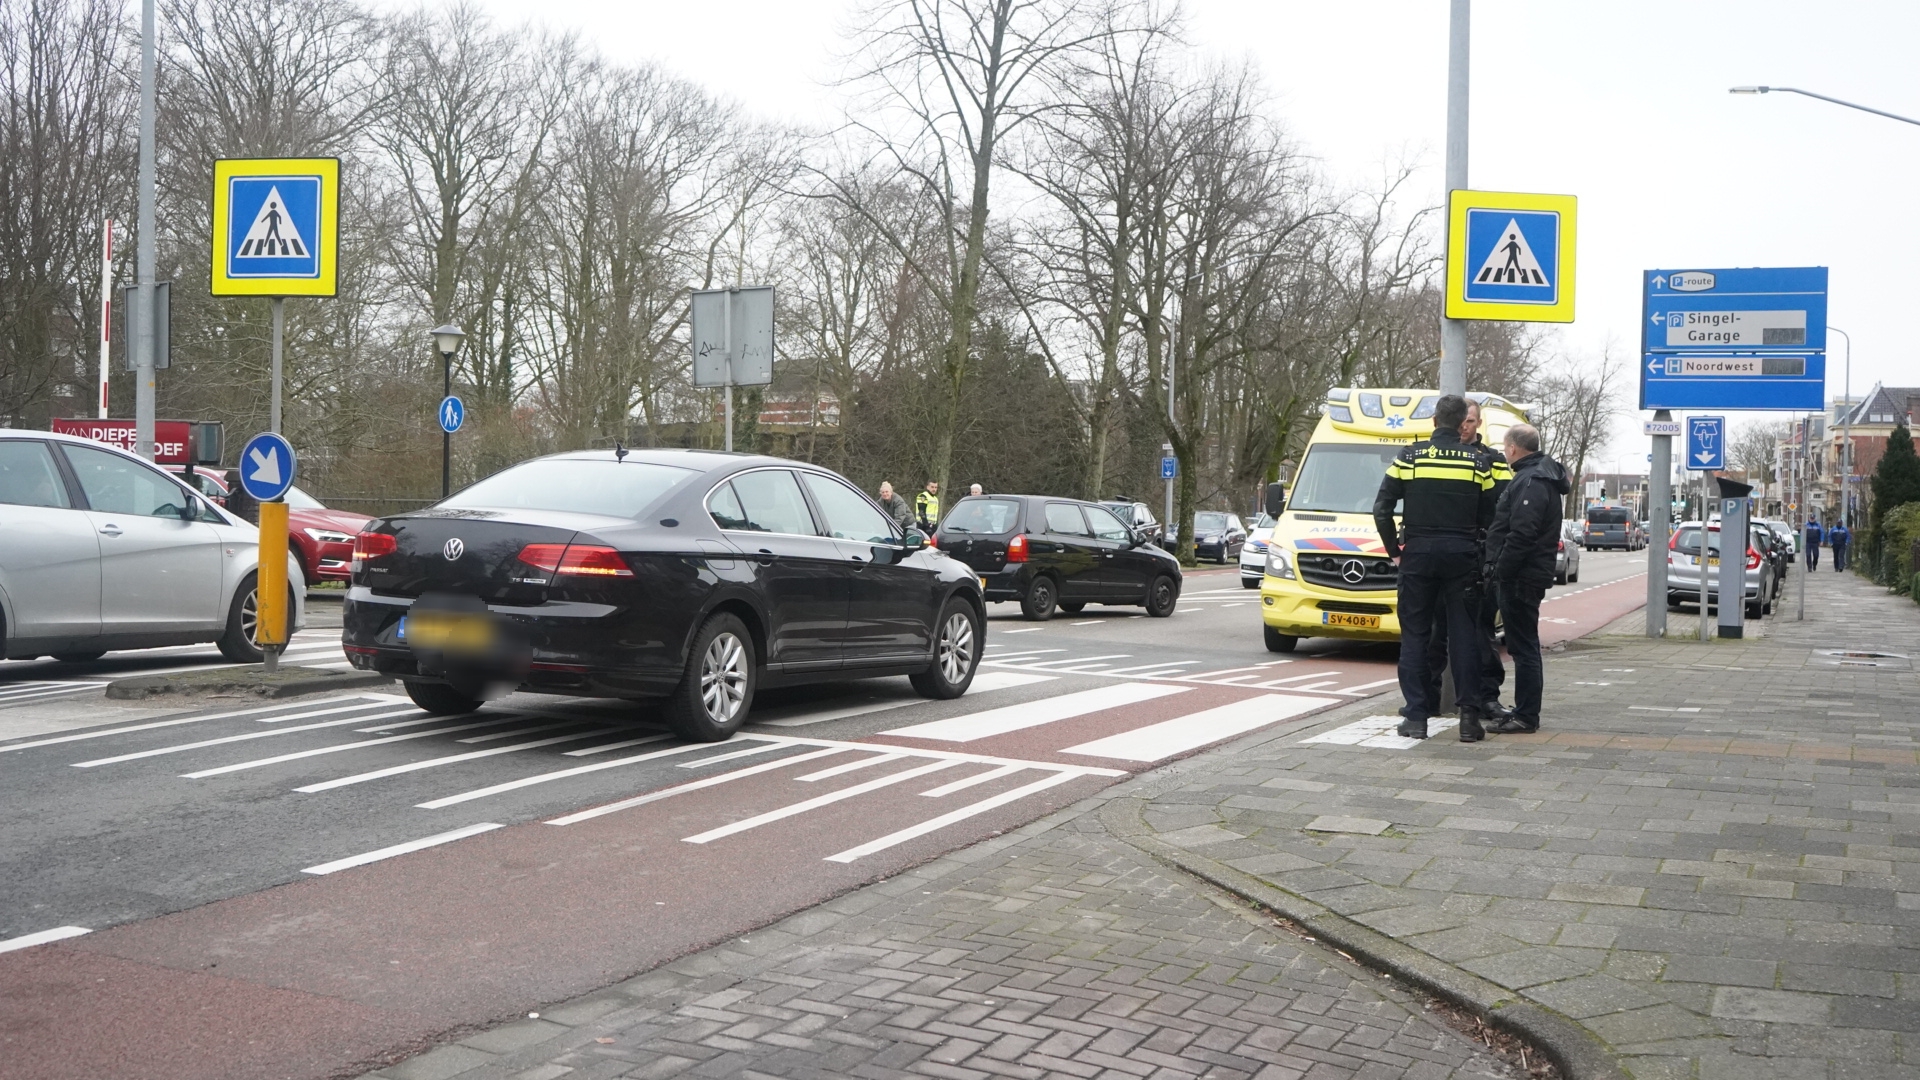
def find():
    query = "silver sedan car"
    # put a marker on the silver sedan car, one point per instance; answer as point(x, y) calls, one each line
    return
point(100, 550)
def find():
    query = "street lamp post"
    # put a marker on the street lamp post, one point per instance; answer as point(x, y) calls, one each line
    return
point(447, 339)
point(1821, 97)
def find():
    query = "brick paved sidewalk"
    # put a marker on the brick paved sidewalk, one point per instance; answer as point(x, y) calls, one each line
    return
point(1709, 857)
point(1053, 951)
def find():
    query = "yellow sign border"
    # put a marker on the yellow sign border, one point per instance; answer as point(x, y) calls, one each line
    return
point(326, 283)
point(1458, 306)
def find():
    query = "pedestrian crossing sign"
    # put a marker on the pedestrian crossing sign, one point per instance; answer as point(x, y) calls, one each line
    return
point(275, 226)
point(1510, 256)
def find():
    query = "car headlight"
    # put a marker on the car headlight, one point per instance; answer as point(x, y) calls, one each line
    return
point(329, 536)
point(1278, 566)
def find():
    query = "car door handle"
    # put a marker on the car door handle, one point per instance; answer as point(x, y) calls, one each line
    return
point(110, 529)
point(766, 555)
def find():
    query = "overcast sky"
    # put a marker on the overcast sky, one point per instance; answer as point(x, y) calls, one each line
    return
point(1623, 104)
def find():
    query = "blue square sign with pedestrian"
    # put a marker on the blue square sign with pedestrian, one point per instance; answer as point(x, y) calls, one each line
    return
point(1513, 256)
point(273, 226)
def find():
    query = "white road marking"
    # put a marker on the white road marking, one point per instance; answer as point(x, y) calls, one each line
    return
point(983, 683)
point(621, 745)
point(851, 766)
point(558, 774)
point(1164, 665)
point(1028, 714)
point(430, 763)
point(1377, 732)
point(1024, 630)
point(972, 781)
point(336, 748)
point(41, 937)
point(1371, 685)
point(1088, 622)
point(34, 691)
point(817, 802)
point(187, 720)
point(1156, 742)
point(697, 785)
point(748, 752)
point(936, 824)
point(402, 849)
point(182, 747)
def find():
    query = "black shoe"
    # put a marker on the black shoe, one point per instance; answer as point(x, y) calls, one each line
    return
point(1513, 725)
point(1411, 729)
point(1470, 729)
point(1496, 711)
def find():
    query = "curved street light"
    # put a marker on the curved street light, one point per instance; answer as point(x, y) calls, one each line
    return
point(1821, 97)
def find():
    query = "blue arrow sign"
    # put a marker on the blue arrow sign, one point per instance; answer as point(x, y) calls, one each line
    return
point(453, 412)
point(1734, 339)
point(267, 466)
point(1169, 468)
point(1706, 442)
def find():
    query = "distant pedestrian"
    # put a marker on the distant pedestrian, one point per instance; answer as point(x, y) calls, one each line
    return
point(1814, 536)
point(1521, 547)
point(926, 507)
point(976, 490)
point(1841, 538)
point(895, 506)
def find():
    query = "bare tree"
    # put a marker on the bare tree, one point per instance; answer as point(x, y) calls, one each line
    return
point(1578, 402)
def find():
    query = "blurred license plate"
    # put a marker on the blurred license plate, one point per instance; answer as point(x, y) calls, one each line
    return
point(1357, 622)
point(1715, 561)
point(448, 631)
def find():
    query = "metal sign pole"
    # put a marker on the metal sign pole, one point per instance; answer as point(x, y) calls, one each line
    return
point(1706, 559)
point(106, 309)
point(726, 341)
point(279, 328)
point(1800, 488)
point(1660, 480)
point(1453, 332)
point(142, 337)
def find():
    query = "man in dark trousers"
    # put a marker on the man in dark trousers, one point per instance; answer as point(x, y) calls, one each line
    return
point(1521, 547)
point(1841, 538)
point(1446, 491)
point(1813, 544)
point(1480, 599)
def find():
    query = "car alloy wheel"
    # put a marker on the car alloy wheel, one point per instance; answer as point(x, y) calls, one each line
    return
point(250, 617)
point(956, 647)
point(723, 678)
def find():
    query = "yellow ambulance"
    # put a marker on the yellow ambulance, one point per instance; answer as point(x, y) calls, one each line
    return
point(1327, 572)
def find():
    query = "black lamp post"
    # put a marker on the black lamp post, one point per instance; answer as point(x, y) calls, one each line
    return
point(447, 339)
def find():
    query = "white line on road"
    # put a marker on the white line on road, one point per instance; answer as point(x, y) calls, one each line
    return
point(697, 785)
point(851, 766)
point(1028, 714)
point(1024, 630)
point(558, 774)
point(935, 824)
point(401, 849)
point(42, 937)
point(983, 683)
point(182, 747)
point(188, 720)
point(973, 781)
point(335, 748)
point(748, 752)
point(817, 802)
point(1156, 742)
point(416, 766)
point(589, 751)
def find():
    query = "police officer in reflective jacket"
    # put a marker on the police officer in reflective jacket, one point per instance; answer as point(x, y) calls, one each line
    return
point(1481, 599)
point(1446, 490)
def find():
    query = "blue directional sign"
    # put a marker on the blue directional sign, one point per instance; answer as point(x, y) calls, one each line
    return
point(453, 413)
point(267, 465)
point(1169, 468)
point(1734, 339)
point(1706, 442)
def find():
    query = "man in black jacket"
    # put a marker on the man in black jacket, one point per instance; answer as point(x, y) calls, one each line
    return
point(1447, 493)
point(1521, 547)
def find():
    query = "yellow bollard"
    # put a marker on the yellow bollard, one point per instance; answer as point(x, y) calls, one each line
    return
point(270, 632)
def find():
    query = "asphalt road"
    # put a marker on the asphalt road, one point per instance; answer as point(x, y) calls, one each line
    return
point(361, 877)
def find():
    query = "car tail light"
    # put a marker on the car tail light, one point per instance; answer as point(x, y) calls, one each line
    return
point(372, 545)
point(1563, 545)
point(1753, 559)
point(933, 541)
point(585, 560)
point(1017, 548)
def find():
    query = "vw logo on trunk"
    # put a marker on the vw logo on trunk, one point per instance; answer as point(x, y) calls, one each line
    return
point(1353, 571)
point(454, 549)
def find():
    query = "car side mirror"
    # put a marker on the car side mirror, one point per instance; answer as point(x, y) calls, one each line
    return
point(1276, 499)
point(913, 541)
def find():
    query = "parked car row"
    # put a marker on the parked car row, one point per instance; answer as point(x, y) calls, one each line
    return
point(1761, 574)
point(1050, 553)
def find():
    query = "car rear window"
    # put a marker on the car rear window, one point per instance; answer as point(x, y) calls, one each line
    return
point(1687, 542)
point(613, 488)
point(1609, 515)
point(990, 517)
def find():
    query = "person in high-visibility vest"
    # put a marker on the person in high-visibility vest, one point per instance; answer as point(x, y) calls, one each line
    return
point(926, 506)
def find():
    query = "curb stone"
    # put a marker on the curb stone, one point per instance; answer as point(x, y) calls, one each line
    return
point(1576, 1051)
point(287, 682)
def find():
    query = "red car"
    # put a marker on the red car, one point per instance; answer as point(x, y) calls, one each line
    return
point(321, 539)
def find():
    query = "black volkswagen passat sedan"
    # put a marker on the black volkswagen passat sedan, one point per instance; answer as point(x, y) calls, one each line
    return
point(688, 575)
point(1050, 553)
